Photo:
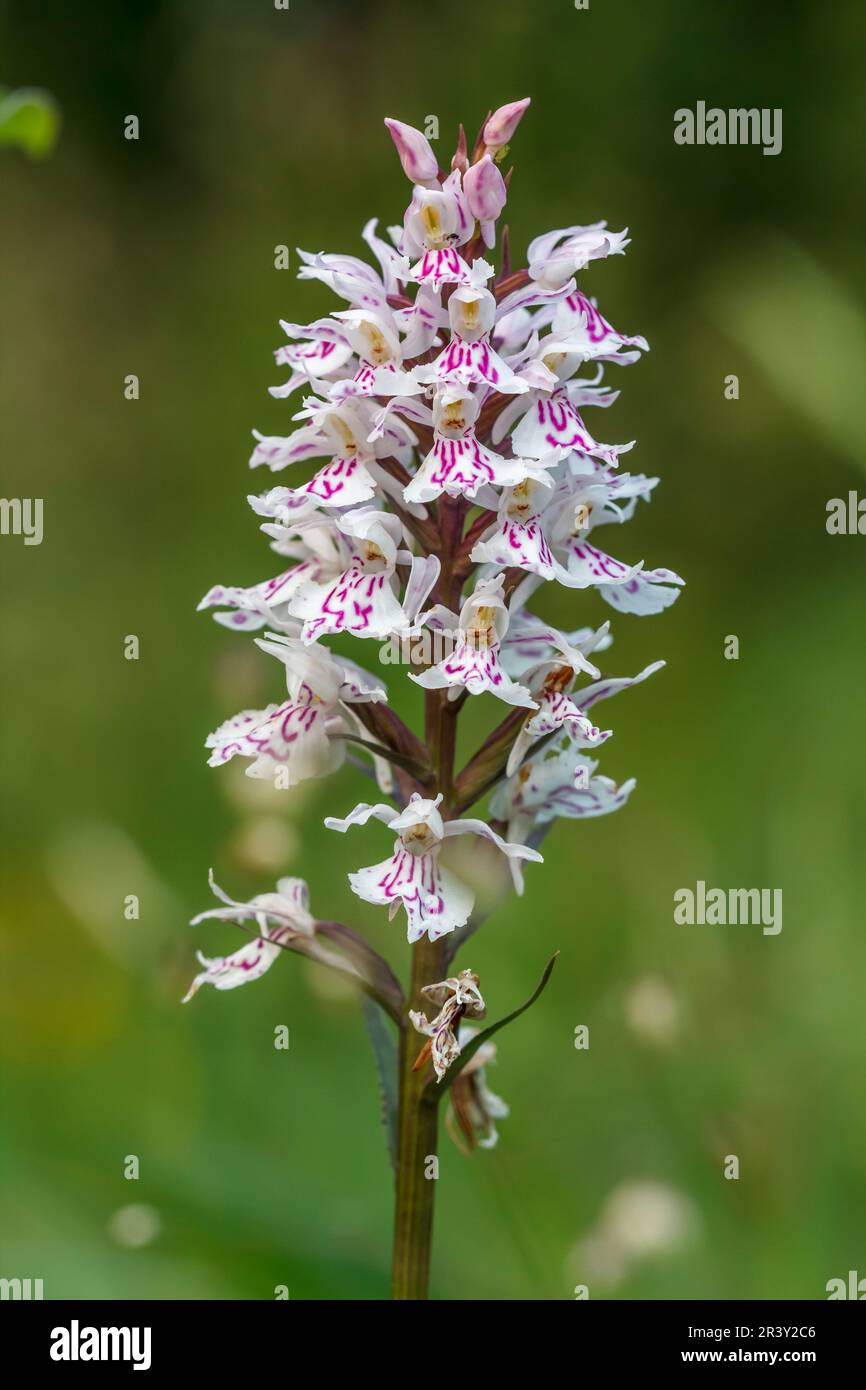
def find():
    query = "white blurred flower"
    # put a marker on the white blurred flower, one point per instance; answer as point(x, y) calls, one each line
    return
point(134, 1226)
point(642, 1218)
point(652, 1011)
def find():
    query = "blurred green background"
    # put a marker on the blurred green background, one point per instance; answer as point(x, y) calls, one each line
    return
point(258, 1167)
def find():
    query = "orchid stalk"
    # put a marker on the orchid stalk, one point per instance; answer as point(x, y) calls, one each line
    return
point(441, 475)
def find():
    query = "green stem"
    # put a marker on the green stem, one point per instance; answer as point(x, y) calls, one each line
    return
point(418, 1124)
point(418, 1107)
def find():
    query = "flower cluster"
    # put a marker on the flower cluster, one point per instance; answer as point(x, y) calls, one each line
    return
point(440, 475)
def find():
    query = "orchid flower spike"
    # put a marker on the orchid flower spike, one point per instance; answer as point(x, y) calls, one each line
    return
point(443, 485)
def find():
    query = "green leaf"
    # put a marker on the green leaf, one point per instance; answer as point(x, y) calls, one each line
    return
point(374, 973)
point(487, 1033)
point(30, 120)
point(385, 1055)
point(487, 766)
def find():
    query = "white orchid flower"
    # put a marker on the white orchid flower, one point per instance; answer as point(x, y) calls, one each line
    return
point(364, 598)
point(281, 918)
point(551, 683)
point(558, 781)
point(434, 900)
point(474, 664)
point(458, 464)
point(302, 735)
point(556, 256)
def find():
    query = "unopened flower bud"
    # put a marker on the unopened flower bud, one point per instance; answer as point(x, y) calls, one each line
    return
point(485, 190)
point(502, 124)
point(415, 151)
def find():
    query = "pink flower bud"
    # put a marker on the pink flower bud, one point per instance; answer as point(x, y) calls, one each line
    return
point(416, 154)
point(503, 123)
point(485, 191)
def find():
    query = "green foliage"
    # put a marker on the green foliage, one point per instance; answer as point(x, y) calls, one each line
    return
point(384, 1046)
point(29, 120)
